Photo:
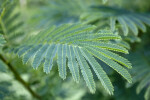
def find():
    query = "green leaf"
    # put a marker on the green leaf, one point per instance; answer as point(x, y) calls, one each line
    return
point(61, 60)
point(85, 70)
point(112, 23)
point(114, 57)
point(104, 45)
point(122, 71)
point(118, 17)
point(124, 25)
point(51, 52)
point(143, 83)
point(76, 45)
point(147, 94)
point(72, 64)
point(131, 25)
point(31, 53)
point(140, 73)
point(102, 76)
point(23, 49)
point(90, 37)
point(10, 23)
point(123, 44)
point(39, 56)
point(143, 19)
point(138, 23)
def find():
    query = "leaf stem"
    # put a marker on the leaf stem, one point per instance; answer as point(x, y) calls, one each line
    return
point(18, 77)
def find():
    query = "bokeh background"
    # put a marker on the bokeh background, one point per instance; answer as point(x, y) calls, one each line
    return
point(28, 17)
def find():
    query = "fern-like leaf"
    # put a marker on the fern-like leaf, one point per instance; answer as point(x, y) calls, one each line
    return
point(10, 23)
point(72, 64)
point(75, 45)
point(61, 60)
point(141, 76)
point(127, 20)
point(99, 71)
point(85, 69)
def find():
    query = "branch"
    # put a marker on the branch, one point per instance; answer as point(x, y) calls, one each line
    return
point(18, 77)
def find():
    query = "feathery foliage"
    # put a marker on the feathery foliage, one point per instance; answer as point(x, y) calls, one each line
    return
point(88, 38)
point(4, 90)
point(141, 76)
point(79, 45)
point(89, 13)
point(10, 24)
point(126, 19)
point(73, 9)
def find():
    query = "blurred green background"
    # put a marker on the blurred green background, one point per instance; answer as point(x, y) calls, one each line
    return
point(28, 17)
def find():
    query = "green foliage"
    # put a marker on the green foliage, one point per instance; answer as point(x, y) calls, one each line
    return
point(78, 44)
point(2, 40)
point(126, 19)
point(3, 66)
point(73, 9)
point(141, 76)
point(88, 37)
point(10, 23)
point(4, 91)
point(89, 13)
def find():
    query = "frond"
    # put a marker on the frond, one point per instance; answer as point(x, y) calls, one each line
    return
point(129, 21)
point(10, 23)
point(72, 64)
point(147, 96)
point(141, 73)
point(75, 46)
point(61, 60)
point(85, 70)
point(101, 74)
point(110, 63)
point(73, 9)
point(123, 44)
